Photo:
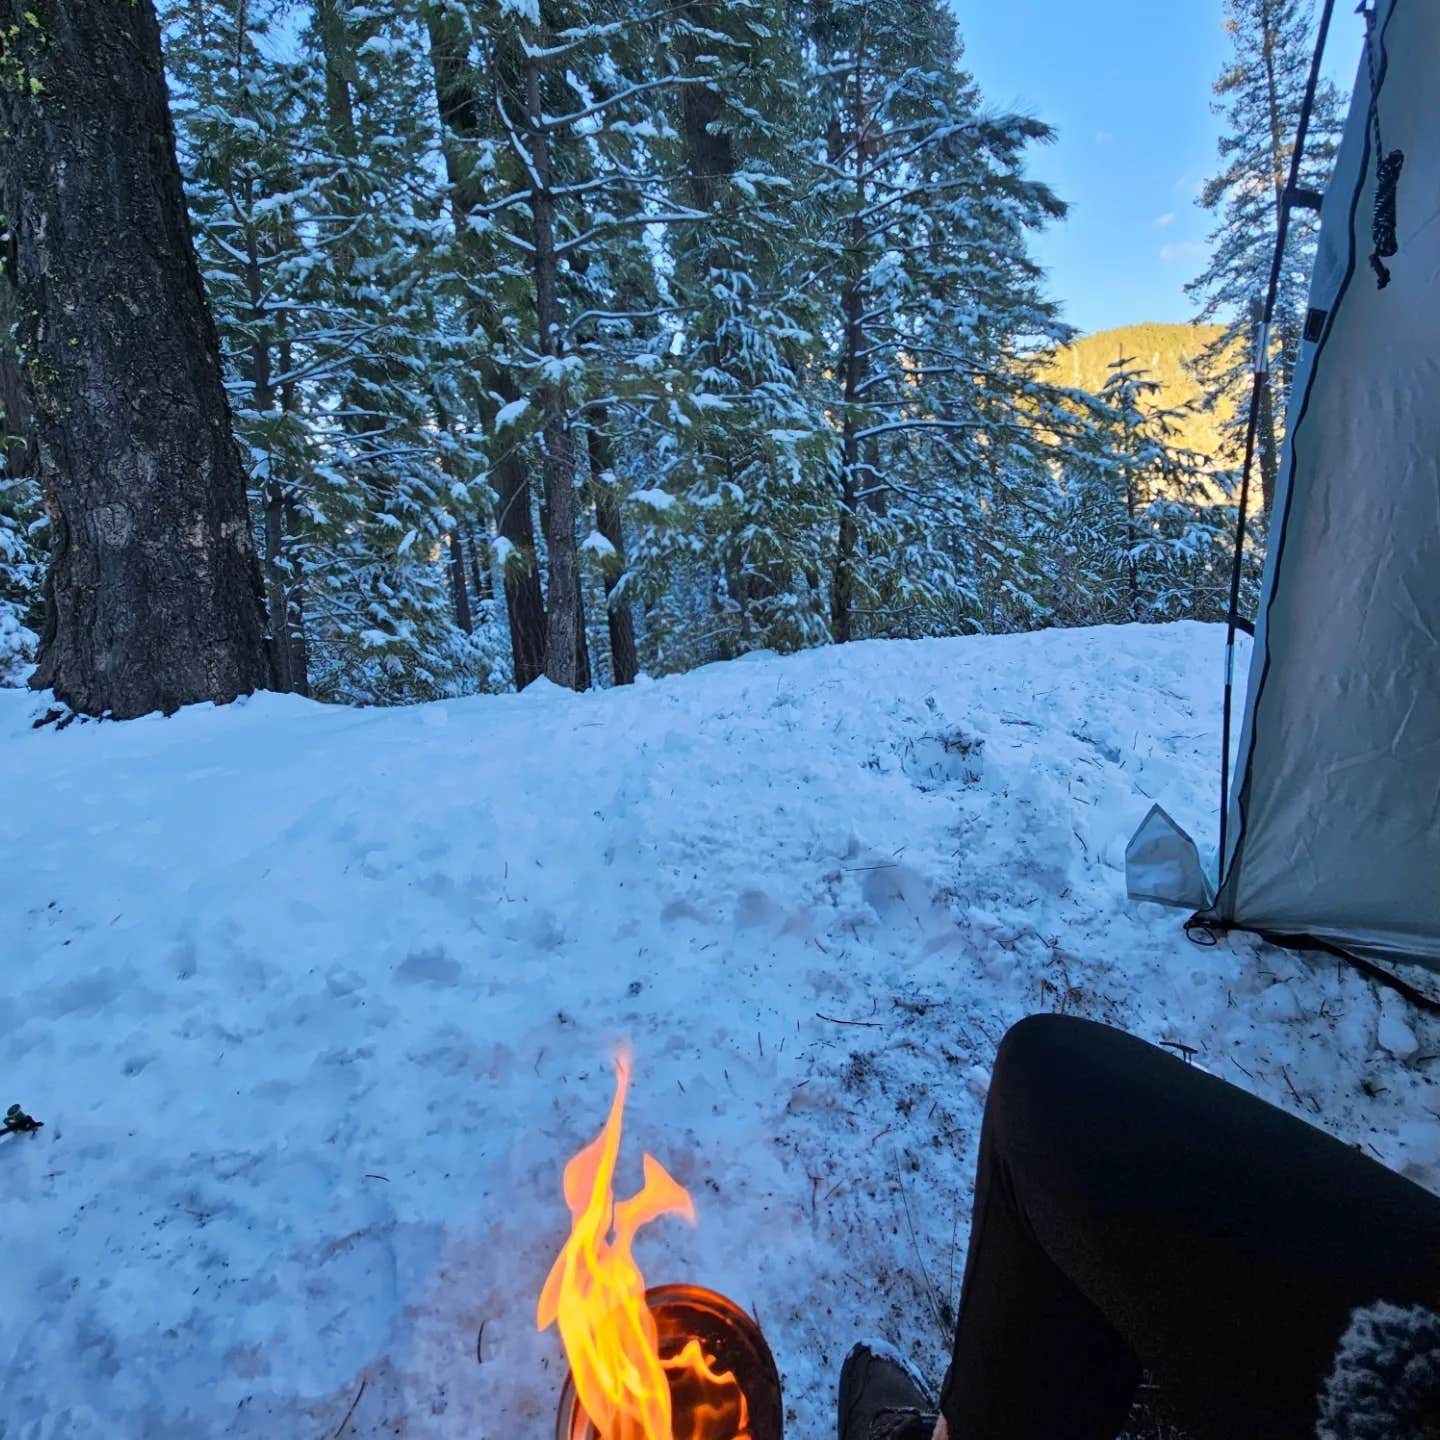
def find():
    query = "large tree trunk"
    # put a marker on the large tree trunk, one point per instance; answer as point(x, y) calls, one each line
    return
point(564, 633)
point(607, 520)
point(460, 118)
point(155, 582)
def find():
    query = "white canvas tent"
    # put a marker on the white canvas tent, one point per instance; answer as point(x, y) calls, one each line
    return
point(1333, 827)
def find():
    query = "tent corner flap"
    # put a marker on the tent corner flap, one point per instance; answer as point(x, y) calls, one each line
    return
point(1163, 865)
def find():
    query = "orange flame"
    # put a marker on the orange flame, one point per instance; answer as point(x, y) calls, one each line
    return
point(595, 1292)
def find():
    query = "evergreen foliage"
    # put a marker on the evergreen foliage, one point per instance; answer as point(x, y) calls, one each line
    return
point(21, 576)
point(581, 339)
point(1260, 94)
point(1140, 532)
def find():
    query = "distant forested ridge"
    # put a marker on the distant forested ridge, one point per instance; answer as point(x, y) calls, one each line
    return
point(1167, 352)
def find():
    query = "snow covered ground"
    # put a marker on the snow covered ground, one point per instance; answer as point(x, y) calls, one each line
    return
point(315, 1003)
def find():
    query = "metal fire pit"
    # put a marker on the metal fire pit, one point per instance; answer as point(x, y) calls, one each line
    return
point(724, 1330)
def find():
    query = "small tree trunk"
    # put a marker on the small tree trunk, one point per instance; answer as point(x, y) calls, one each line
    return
point(607, 520)
point(459, 590)
point(842, 584)
point(1132, 539)
point(155, 582)
point(524, 601)
point(459, 585)
point(564, 633)
point(298, 652)
point(480, 575)
point(582, 651)
point(299, 646)
point(277, 596)
point(277, 588)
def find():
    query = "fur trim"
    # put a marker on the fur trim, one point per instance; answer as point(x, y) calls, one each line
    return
point(1385, 1384)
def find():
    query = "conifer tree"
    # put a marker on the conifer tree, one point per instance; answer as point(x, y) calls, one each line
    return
point(1259, 94)
point(316, 232)
point(744, 541)
point(484, 284)
point(1139, 532)
point(945, 427)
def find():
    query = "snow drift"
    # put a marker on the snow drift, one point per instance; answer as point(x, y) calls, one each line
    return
point(315, 1002)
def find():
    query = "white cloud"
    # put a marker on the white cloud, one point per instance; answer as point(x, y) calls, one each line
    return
point(1181, 250)
point(1103, 137)
point(1168, 218)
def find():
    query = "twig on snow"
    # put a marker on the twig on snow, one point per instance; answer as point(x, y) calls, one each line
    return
point(364, 1381)
point(1299, 1098)
point(863, 1024)
point(914, 1241)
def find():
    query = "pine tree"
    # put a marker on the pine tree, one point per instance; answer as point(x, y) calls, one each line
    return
point(484, 286)
point(1260, 94)
point(946, 430)
point(579, 172)
point(316, 228)
point(391, 584)
point(1140, 533)
point(153, 579)
point(742, 549)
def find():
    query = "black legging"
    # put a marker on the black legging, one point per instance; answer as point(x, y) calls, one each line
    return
point(1132, 1211)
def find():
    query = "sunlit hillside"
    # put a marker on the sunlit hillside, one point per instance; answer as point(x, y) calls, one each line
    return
point(1163, 351)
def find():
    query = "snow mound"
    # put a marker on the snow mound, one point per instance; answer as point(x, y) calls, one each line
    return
point(315, 1003)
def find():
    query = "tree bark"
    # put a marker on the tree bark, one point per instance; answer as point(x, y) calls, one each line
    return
point(299, 650)
point(277, 588)
point(564, 633)
point(524, 600)
point(623, 658)
point(155, 582)
point(459, 590)
point(460, 118)
point(842, 583)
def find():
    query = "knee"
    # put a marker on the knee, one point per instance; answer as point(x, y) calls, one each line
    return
point(1043, 1054)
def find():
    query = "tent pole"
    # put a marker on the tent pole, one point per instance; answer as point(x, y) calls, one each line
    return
point(1290, 196)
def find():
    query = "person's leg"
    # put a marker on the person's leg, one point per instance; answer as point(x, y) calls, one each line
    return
point(1132, 1211)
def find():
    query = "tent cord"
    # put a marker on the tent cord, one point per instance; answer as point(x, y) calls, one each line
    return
point(1261, 378)
point(1387, 169)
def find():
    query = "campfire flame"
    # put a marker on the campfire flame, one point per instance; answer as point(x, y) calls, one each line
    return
point(595, 1293)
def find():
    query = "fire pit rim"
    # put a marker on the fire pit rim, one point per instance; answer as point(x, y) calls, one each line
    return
point(571, 1422)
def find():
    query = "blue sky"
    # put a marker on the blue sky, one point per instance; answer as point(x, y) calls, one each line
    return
point(1127, 84)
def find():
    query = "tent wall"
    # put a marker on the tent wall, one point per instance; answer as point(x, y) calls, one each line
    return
point(1334, 829)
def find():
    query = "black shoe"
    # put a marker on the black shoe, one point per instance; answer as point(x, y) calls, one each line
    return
point(881, 1399)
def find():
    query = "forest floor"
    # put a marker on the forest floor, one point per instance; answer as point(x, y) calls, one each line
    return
point(315, 1003)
